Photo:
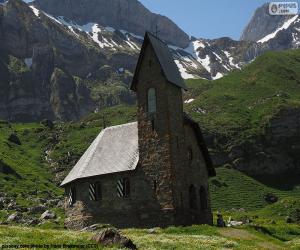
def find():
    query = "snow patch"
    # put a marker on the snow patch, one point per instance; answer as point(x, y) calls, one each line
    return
point(35, 10)
point(217, 76)
point(205, 62)
point(189, 100)
point(183, 72)
point(286, 25)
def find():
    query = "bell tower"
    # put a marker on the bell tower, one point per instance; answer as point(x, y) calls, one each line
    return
point(158, 85)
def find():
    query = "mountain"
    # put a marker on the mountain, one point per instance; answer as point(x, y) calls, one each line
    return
point(251, 117)
point(129, 15)
point(273, 32)
point(64, 59)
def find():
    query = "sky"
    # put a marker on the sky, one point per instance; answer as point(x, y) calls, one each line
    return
point(207, 18)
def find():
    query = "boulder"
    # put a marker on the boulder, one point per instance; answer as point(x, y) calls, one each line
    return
point(14, 139)
point(271, 198)
point(110, 237)
point(15, 217)
point(48, 215)
point(37, 209)
point(48, 123)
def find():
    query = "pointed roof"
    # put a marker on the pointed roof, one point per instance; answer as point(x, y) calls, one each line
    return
point(165, 60)
point(201, 143)
point(114, 150)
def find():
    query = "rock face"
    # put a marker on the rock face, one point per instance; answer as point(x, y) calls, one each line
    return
point(273, 32)
point(275, 152)
point(262, 24)
point(129, 15)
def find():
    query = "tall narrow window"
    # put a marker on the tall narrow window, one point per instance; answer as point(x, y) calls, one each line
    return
point(95, 192)
point(203, 198)
point(72, 196)
point(123, 187)
point(151, 100)
point(193, 197)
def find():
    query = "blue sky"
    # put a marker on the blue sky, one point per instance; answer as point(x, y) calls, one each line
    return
point(207, 18)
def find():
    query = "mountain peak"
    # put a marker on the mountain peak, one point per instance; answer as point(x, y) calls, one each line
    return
point(129, 15)
point(262, 24)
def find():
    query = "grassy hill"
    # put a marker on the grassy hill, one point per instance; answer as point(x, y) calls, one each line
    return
point(241, 104)
point(238, 106)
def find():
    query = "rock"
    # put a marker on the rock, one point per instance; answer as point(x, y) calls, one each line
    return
point(37, 209)
point(110, 237)
point(220, 221)
point(15, 217)
point(127, 15)
point(271, 198)
point(152, 231)
point(95, 227)
point(32, 222)
point(48, 123)
point(48, 215)
point(14, 139)
point(12, 205)
point(61, 204)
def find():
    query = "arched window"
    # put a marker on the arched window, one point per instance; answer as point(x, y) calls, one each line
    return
point(151, 100)
point(203, 198)
point(193, 197)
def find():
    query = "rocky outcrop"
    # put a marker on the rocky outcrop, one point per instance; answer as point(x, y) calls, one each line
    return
point(129, 15)
point(273, 153)
point(262, 24)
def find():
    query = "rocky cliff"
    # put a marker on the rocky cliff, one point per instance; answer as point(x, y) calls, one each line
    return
point(273, 153)
point(129, 15)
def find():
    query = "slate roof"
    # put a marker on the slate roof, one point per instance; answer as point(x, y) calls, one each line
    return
point(165, 59)
point(201, 143)
point(114, 150)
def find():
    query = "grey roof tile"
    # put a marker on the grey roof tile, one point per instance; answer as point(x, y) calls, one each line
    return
point(114, 150)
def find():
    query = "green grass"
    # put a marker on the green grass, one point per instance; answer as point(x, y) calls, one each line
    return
point(241, 104)
point(28, 171)
point(233, 189)
point(190, 238)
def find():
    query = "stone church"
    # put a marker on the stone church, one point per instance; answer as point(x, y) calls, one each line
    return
point(152, 172)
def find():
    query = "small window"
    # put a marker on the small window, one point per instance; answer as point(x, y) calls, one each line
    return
point(72, 196)
point(95, 191)
point(151, 100)
point(190, 154)
point(152, 124)
point(123, 187)
point(193, 197)
point(203, 198)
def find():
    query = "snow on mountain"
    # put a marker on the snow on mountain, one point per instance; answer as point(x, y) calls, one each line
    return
point(285, 26)
point(202, 58)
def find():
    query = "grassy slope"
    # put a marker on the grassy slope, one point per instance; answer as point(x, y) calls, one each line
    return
point(195, 237)
point(233, 189)
point(26, 160)
point(242, 103)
